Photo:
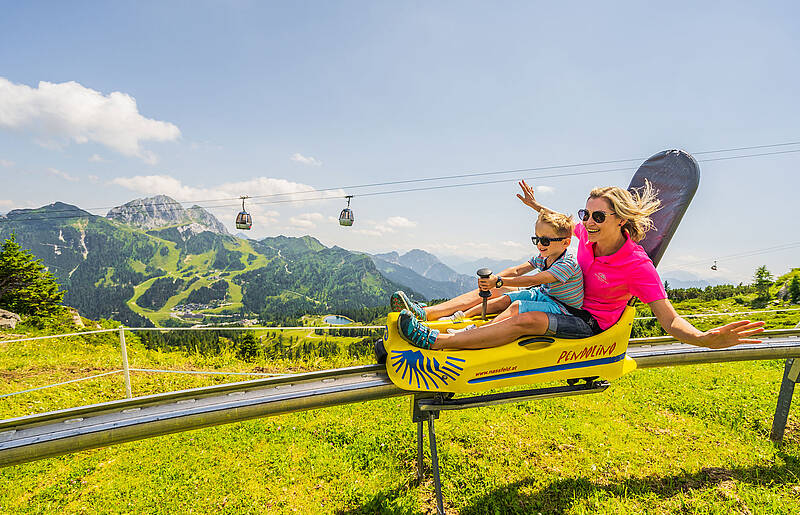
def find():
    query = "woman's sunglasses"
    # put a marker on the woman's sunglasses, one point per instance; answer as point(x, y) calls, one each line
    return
point(598, 216)
point(544, 240)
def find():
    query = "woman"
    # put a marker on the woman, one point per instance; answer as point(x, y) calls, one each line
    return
point(615, 268)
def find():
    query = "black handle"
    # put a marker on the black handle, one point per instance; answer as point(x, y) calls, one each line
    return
point(484, 273)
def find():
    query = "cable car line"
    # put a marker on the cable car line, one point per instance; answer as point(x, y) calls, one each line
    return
point(478, 174)
point(407, 181)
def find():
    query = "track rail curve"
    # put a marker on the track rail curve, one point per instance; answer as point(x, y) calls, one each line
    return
point(44, 435)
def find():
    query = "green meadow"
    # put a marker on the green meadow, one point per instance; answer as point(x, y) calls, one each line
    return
point(671, 440)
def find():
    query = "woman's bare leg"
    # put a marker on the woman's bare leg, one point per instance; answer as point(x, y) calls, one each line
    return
point(463, 302)
point(497, 334)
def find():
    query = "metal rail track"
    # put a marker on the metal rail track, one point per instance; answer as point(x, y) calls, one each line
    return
point(60, 432)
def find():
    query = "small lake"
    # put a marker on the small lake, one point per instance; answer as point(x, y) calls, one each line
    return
point(336, 320)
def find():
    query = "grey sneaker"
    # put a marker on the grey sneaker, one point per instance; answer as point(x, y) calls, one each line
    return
point(468, 328)
point(458, 316)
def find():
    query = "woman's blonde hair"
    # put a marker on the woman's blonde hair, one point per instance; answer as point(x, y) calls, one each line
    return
point(635, 207)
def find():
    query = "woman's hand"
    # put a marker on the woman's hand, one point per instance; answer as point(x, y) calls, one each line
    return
point(717, 338)
point(527, 197)
point(731, 334)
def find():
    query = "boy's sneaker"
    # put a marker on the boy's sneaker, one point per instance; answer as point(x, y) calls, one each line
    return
point(456, 331)
point(458, 316)
point(414, 332)
point(400, 301)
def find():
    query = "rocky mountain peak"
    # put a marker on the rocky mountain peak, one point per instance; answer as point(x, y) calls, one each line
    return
point(163, 211)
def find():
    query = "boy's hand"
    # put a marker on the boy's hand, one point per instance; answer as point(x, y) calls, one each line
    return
point(488, 283)
point(527, 197)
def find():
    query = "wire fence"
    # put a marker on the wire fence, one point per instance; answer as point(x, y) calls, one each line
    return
point(126, 369)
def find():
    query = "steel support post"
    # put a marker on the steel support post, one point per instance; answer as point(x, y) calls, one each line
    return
point(420, 451)
point(125, 370)
point(435, 465)
point(790, 374)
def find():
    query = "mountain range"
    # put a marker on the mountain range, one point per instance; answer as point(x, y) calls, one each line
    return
point(150, 261)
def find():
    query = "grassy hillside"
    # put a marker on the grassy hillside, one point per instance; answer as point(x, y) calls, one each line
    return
point(689, 439)
point(107, 267)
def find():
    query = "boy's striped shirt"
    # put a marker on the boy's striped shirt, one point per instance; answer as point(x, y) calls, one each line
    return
point(568, 287)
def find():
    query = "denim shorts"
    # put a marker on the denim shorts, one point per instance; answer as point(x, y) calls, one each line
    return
point(570, 326)
point(534, 300)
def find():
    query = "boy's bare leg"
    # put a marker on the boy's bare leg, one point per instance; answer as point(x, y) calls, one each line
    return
point(495, 305)
point(495, 335)
point(511, 311)
point(463, 302)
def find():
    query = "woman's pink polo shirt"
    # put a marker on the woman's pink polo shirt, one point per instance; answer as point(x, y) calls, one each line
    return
point(610, 281)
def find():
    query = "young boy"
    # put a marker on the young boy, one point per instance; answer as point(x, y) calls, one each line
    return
point(558, 284)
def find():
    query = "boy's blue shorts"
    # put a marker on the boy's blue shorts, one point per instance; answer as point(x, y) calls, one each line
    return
point(535, 300)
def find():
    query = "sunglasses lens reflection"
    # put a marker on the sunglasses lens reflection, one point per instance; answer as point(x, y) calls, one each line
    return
point(598, 216)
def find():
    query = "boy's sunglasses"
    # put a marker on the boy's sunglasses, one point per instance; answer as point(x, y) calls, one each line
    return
point(597, 216)
point(544, 240)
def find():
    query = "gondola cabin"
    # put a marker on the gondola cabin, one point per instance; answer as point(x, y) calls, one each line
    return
point(243, 219)
point(346, 217)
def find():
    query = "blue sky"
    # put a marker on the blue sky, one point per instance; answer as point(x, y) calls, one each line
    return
point(102, 102)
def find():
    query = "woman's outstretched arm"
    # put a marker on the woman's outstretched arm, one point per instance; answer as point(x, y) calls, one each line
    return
point(528, 199)
point(718, 338)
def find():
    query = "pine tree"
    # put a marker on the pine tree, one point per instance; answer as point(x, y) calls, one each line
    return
point(248, 347)
point(794, 290)
point(762, 281)
point(26, 287)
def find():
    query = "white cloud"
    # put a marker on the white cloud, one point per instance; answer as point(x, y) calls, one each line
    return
point(376, 228)
point(369, 232)
point(60, 113)
point(270, 190)
point(306, 220)
point(300, 158)
point(466, 248)
point(510, 243)
point(544, 190)
point(6, 203)
point(96, 158)
point(6, 163)
point(400, 222)
point(63, 175)
point(93, 178)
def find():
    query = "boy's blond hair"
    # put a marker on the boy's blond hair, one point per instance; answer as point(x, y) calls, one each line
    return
point(562, 224)
point(635, 207)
